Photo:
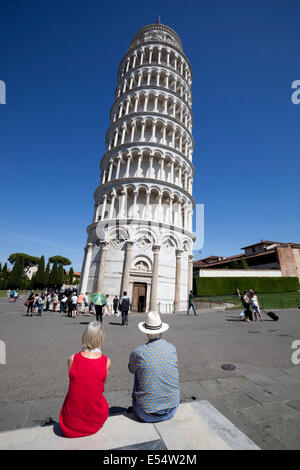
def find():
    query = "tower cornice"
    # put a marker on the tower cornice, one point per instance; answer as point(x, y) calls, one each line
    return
point(145, 145)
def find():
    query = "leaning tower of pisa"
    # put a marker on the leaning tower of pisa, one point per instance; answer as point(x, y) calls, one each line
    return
point(140, 239)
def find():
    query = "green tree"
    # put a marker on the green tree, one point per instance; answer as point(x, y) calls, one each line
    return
point(234, 264)
point(71, 275)
point(243, 263)
point(39, 281)
point(60, 260)
point(28, 260)
point(53, 278)
point(4, 277)
point(47, 274)
point(17, 279)
point(60, 276)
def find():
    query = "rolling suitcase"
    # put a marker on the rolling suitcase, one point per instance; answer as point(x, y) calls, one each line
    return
point(272, 315)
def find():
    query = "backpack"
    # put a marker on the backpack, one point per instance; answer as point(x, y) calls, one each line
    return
point(125, 305)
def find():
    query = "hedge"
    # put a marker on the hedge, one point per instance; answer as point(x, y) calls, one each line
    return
point(204, 286)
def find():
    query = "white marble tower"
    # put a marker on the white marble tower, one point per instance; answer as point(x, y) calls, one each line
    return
point(140, 239)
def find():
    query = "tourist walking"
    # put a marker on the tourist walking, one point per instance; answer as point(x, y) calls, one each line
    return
point(99, 313)
point(107, 310)
point(80, 303)
point(85, 409)
point(116, 305)
point(48, 300)
point(91, 309)
point(86, 303)
point(191, 304)
point(74, 300)
point(255, 305)
point(36, 302)
point(246, 302)
point(41, 303)
point(29, 302)
point(125, 305)
point(70, 305)
point(12, 295)
point(55, 301)
point(155, 395)
point(63, 304)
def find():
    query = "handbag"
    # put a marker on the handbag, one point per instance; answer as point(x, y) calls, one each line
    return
point(26, 303)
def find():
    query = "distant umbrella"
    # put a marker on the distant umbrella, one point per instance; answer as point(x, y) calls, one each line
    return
point(98, 299)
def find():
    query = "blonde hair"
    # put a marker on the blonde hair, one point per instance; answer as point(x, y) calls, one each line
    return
point(93, 336)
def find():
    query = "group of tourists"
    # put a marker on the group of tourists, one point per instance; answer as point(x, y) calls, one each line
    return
point(251, 306)
point(155, 395)
point(13, 295)
point(72, 304)
point(41, 302)
point(120, 307)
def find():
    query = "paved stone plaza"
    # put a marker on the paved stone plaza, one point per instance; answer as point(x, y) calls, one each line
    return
point(261, 396)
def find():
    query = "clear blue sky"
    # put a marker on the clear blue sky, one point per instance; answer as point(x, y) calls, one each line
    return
point(59, 60)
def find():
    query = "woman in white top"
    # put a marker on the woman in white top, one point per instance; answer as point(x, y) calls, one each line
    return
point(106, 309)
point(255, 306)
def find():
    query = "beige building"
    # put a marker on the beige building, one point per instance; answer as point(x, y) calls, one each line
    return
point(266, 258)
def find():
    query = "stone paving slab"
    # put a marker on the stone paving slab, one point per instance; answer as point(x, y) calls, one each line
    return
point(189, 431)
point(255, 431)
point(230, 434)
point(249, 388)
point(283, 392)
point(233, 401)
point(214, 387)
point(193, 391)
point(195, 426)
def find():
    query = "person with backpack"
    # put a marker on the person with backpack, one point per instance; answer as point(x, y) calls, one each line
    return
point(124, 306)
point(191, 296)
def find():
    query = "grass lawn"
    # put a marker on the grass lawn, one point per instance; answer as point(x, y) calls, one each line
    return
point(266, 301)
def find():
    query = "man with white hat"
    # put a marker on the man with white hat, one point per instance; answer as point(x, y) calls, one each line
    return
point(155, 395)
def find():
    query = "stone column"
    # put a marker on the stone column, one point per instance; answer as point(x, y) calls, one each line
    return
point(171, 211)
point(86, 268)
point(104, 251)
point(153, 296)
point(119, 158)
point(112, 206)
point(128, 166)
point(103, 207)
point(134, 60)
point(111, 164)
point(150, 55)
point(150, 167)
point(126, 269)
point(177, 280)
point(122, 208)
point(132, 131)
point(147, 205)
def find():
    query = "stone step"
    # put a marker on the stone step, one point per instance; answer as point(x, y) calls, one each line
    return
point(195, 426)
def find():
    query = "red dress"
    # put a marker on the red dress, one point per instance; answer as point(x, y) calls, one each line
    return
point(85, 409)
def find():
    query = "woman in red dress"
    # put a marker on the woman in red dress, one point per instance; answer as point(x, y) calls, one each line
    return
point(85, 409)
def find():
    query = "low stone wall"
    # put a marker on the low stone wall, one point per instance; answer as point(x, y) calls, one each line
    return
point(200, 304)
point(240, 273)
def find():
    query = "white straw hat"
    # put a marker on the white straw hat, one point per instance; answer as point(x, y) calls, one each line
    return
point(153, 325)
